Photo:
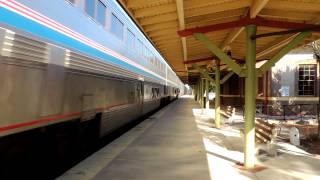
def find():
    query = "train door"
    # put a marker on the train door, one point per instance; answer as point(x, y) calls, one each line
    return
point(140, 93)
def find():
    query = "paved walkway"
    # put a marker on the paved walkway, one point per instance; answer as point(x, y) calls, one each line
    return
point(180, 142)
point(165, 146)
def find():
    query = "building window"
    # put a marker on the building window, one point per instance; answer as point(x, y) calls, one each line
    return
point(130, 39)
point(116, 27)
point(307, 78)
point(89, 7)
point(101, 13)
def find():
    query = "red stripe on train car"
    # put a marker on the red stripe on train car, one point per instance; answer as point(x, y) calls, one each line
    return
point(38, 121)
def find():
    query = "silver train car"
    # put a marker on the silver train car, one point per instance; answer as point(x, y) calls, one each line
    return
point(74, 70)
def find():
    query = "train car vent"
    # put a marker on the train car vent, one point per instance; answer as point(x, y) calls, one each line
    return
point(84, 63)
point(24, 48)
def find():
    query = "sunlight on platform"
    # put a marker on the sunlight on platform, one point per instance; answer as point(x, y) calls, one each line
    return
point(224, 151)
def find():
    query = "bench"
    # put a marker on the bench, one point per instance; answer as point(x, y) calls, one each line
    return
point(265, 136)
point(229, 114)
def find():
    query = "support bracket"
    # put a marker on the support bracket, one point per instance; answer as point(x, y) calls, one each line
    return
point(219, 53)
point(292, 44)
point(204, 73)
point(226, 77)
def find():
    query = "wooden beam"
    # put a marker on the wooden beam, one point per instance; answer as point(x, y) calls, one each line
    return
point(231, 37)
point(282, 42)
point(164, 38)
point(155, 10)
point(142, 3)
point(204, 73)
point(162, 32)
point(163, 42)
point(292, 15)
point(294, 6)
point(190, 12)
point(159, 19)
point(297, 40)
point(164, 25)
point(219, 53)
point(201, 3)
point(226, 77)
point(215, 16)
point(180, 11)
point(258, 21)
point(256, 7)
point(198, 60)
point(275, 46)
point(280, 33)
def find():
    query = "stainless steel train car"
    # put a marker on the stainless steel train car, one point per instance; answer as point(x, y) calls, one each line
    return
point(74, 70)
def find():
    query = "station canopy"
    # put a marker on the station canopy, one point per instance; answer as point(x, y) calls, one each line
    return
point(171, 25)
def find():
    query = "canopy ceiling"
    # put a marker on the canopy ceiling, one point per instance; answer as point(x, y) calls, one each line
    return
point(162, 19)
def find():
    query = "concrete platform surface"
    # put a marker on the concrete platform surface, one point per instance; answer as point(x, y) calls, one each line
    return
point(167, 145)
point(180, 142)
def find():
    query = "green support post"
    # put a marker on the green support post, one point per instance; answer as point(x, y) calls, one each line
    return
point(217, 97)
point(199, 99)
point(250, 98)
point(195, 92)
point(198, 91)
point(203, 90)
point(201, 93)
point(207, 95)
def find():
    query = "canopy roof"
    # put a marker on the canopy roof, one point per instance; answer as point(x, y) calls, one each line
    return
point(170, 25)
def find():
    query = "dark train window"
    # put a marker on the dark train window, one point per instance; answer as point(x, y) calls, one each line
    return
point(307, 79)
point(89, 7)
point(130, 39)
point(116, 27)
point(101, 13)
point(140, 47)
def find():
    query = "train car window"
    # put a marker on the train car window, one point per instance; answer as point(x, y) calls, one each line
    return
point(140, 47)
point(89, 7)
point(145, 51)
point(130, 39)
point(116, 27)
point(150, 56)
point(101, 13)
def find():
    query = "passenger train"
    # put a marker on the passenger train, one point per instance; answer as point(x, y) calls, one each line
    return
point(74, 70)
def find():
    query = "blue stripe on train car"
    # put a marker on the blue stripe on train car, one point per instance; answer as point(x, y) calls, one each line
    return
point(22, 23)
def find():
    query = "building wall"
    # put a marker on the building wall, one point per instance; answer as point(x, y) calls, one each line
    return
point(277, 90)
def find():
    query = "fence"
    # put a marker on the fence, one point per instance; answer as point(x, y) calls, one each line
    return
point(288, 112)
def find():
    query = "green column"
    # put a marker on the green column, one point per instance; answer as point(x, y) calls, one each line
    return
point(217, 96)
point(207, 95)
point(202, 93)
point(196, 91)
point(250, 98)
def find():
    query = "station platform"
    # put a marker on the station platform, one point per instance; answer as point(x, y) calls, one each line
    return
point(180, 142)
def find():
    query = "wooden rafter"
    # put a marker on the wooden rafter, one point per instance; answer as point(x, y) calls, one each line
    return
point(278, 44)
point(156, 10)
point(180, 11)
point(259, 21)
point(256, 7)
